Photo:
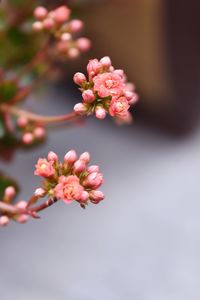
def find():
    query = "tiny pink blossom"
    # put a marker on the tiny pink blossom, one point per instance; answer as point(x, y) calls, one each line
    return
point(70, 157)
point(69, 189)
point(22, 218)
point(62, 14)
point(48, 23)
point(94, 180)
point(22, 122)
point(80, 108)
point(97, 196)
point(85, 156)
point(84, 196)
point(10, 192)
point(83, 44)
point(106, 62)
point(100, 112)
point(76, 25)
point(39, 132)
point(4, 220)
point(88, 96)
point(40, 192)
point(21, 204)
point(28, 138)
point(37, 26)
point(79, 78)
point(92, 169)
point(94, 67)
point(119, 106)
point(73, 53)
point(108, 84)
point(52, 156)
point(40, 12)
point(44, 168)
point(79, 166)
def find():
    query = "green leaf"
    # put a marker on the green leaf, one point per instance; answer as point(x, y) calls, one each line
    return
point(8, 90)
point(5, 182)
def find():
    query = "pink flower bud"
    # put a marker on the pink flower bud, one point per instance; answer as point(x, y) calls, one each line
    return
point(79, 166)
point(4, 220)
point(40, 192)
point(28, 138)
point(88, 96)
point(129, 95)
point(70, 157)
point(119, 72)
point(75, 25)
point(93, 67)
point(84, 196)
point(106, 62)
point(52, 156)
point(22, 122)
point(73, 53)
point(134, 99)
point(10, 192)
point(22, 218)
point(130, 87)
point(93, 169)
point(48, 23)
point(37, 26)
point(83, 44)
point(21, 204)
point(80, 108)
point(100, 112)
point(66, 36)
point(97, 196)
point(79, 78)
point(94, 180)
point(39, 132)
point(85, 157)
point(40, 12)
point(62, 14)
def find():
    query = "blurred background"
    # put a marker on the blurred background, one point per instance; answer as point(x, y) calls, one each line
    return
point(143, 241)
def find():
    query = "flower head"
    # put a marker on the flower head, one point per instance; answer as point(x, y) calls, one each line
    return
point(44, 168)
point(106, 91)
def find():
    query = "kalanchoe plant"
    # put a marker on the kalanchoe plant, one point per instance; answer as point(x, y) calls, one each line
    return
point(105, 90)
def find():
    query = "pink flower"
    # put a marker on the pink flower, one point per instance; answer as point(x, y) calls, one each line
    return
point(79, 78)
point(44, 168)
point(88, 96)
point(119, 106)
point(108, 84)
point(69, 189)
point(100, 112)
point(61, 14)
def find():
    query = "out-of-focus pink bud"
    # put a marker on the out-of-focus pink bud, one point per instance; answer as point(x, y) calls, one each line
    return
point(79, 78)
point(28, 138)
point(88, 96)
point(73, 53)
point(10, 192)
point(40, 192)
point(70, 157)
point(83, 44)
point(21, 204)
point(80, 108)
point(66, 36)
point(92, 169)
point(79, 166)
point(93, 67)
point(52, 156)
point(75, 25)
point(100, 112)
point(97, 196)
point(106, 62)
point(22, 218)
point(37, 26)
point(4, 220)
point(62, 14)
point(134, 99)
point(39, 132)
point(48, 23)
point(85, 157)
point(22, 122)
point(40, 13)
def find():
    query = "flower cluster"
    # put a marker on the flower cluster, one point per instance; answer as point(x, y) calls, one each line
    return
point(32, 132)
point(58, 22)
point(72, 180)
point(106, 90)
point(18, 214)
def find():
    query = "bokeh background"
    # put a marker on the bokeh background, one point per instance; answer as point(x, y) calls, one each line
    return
point(143, 241)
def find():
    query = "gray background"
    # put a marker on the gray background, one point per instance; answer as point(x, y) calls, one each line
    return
point(142, 242)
